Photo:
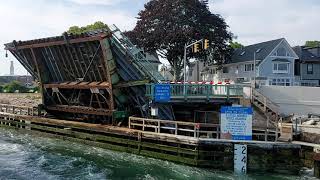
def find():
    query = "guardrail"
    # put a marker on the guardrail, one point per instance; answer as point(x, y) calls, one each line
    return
point(175, 127)
point(20, 110)
point(198, 90)
point(196, 130)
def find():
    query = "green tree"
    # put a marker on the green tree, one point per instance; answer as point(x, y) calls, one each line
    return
point(1, 89)
point(91, 27)
point(236, 45)
point(312, 43)
point(15, 86)
point(166, 26)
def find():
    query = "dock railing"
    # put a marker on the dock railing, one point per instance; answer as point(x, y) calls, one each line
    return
point(175, 127)
point(196, 130)
point(20, 110)
point(199, 90)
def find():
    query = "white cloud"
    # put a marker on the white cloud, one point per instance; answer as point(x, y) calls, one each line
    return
point(259, 20)
point(37, 18)
point(96, 2)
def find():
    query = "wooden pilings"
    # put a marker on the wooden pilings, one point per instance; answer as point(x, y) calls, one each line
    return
point(316, 159)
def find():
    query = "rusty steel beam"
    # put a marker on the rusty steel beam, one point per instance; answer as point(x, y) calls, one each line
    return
point(79, 85)
point(62, 42)
point(80, 109)
point(131, 83)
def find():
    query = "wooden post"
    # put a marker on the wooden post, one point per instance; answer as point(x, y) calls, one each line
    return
point(265, 104)
point(176, 130)
point(158, 126)
point(277, 127)
point(142, 124)
point(316, 159)
point(129, 123)
point(267, 129)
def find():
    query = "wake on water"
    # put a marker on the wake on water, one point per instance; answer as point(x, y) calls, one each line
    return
point(24, 156)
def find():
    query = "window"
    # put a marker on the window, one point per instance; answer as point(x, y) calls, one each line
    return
point(212, 71)
point(248, 67)
point(240, 80)
point(280, 82)
point(309, 68)
point(280, 67)
point(225, 70)
point(281, 52)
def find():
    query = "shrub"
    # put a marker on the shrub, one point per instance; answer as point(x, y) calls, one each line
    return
point(15, 86)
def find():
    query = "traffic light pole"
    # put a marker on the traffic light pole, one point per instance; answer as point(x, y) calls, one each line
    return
point(185, 59)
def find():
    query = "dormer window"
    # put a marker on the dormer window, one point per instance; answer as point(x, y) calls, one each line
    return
point(281, 52)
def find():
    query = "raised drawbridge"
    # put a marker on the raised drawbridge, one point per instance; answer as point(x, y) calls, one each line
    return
point(94, 76)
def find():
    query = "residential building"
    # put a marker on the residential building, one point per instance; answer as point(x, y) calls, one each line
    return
point(308, 65)
point(275, 65)
point(194, 71)
point(167, 72)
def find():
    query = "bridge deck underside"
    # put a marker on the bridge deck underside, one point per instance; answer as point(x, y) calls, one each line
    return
point(76, 75)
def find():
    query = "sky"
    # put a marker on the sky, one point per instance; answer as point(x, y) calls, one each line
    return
point(251, 21)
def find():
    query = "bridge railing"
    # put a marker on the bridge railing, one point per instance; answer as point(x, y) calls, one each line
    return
point(199, 90)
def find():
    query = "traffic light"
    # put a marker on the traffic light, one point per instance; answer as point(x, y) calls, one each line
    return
point(196, 48)
point(206, 44)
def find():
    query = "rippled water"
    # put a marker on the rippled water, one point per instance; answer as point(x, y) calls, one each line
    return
point(24, 156)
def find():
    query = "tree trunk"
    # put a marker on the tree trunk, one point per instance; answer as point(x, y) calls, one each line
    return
point(177, 72)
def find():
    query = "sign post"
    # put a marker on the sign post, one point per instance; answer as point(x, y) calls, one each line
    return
point(236, 123)
point(162, 93)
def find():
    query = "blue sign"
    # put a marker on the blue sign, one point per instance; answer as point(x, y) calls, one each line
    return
point(236, 123)
point(162, 92)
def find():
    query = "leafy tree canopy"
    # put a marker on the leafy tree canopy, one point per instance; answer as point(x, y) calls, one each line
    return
point(166, 26)
point(235, 45)
point(312, 43)
point(90, 27)
point(15, 86)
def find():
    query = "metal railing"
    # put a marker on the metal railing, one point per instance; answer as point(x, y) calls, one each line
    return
point(139, 58)
point(199, 90)
point(189, 129)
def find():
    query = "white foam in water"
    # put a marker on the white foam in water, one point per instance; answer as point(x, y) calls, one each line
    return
point(29, 157)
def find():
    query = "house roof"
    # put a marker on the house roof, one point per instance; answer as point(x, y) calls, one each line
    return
point(246, 53)
point(305, 55)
